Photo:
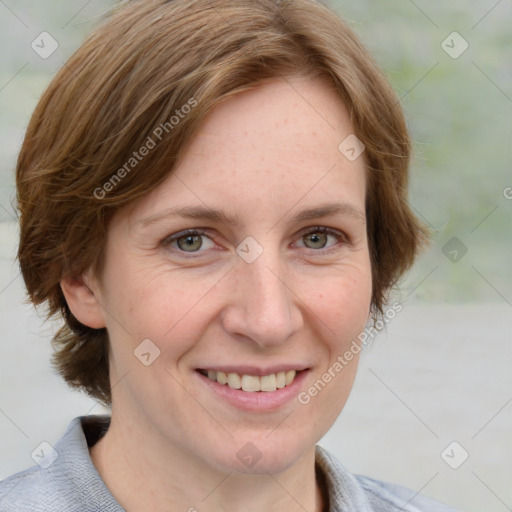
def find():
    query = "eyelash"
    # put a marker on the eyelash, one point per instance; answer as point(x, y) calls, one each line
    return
point(342, 237)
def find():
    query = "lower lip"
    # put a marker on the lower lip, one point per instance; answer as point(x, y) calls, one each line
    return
point(257, 401)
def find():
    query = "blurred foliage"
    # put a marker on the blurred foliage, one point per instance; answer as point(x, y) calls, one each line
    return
point(459, 112)
point(460, 115)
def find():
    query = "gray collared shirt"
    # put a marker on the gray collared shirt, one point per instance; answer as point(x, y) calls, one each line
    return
point(66, 480)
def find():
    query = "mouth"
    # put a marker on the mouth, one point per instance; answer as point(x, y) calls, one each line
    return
point(253, 389)
point(252, 383)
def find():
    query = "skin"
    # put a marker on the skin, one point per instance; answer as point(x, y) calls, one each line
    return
point(264, 155)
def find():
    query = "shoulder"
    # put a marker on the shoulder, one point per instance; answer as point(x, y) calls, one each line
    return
point(65, 479)
point(30, 491)
point(395, 497)
point(353, 493)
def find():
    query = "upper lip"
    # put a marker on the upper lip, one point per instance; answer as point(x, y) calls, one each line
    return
point(258, 371)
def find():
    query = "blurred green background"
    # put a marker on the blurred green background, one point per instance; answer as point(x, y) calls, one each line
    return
point(449, 365)
point(459, 112)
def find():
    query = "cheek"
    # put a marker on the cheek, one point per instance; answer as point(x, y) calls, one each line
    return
point(341, 310)
point(165, 306)
point(343, 305)
point(162, 309)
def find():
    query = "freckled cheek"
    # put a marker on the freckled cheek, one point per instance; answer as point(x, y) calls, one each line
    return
point(343, 305)
point(162, 308)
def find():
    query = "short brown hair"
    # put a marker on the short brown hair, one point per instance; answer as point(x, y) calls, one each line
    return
point(136, 72)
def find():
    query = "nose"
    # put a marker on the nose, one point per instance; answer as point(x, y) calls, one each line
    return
point(264, 307)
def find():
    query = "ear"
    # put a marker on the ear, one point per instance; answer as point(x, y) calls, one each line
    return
point(82, 301)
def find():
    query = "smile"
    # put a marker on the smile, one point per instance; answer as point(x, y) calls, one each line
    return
point(252, 383)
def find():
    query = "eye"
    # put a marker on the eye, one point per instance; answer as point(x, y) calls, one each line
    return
point(191, 240)
point(321, 237)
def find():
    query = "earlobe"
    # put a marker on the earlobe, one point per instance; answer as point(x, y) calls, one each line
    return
point(82, 302)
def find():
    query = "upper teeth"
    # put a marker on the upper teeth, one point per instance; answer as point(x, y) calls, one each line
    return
point(253, 382)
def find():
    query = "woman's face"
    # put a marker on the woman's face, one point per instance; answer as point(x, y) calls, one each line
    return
point(251, 259)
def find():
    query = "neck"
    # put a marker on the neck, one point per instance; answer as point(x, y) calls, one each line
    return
point(151, 475)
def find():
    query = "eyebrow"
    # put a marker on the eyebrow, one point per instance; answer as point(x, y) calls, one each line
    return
point(331, 209)
point(191, 212)
point(205, 213)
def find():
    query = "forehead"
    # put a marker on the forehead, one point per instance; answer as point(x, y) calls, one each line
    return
point(297, 115)
point(267, 148)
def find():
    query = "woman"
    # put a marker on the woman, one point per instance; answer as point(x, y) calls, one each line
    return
point(213, 196)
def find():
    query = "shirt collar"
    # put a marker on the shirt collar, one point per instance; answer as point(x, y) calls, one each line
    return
point(344, 493)
point(343, 490)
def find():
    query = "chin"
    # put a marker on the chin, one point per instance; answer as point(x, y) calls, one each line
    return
point(255, 455)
